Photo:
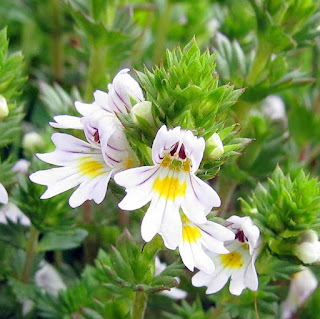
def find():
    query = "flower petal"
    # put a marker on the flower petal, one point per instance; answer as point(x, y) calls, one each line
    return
point(3, 195)
point(199, 200)
point(138, 183)
point(94, 189)
point(101, 99)
point(67, 122)
point(218, 281)
point(194, 146)
point(237, 283)
point(201, 279)
point(151, 221)
point(171, 225)
point(217, 231)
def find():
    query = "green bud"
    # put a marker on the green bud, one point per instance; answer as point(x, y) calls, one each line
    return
point(143, 110)
point(215, 142)
point(32, 141)
point(4, 111)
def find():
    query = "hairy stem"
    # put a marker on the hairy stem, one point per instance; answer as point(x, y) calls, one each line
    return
point(139, 305)
point(31, 249)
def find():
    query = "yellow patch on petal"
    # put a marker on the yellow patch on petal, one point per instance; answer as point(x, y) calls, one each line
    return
point(232, 260)
point(129, 163)
point(89, 167)
point(190, 234)
point(170, 187)
point(176, 164)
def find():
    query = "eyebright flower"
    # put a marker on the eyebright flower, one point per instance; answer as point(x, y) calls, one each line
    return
point(91, 164)
point(99, 120)
point(81, 164)
point(302, 286)
point(237, 264)
point(198, 237)
point(12, 212)
point(122, 92)
point(170, 185)
point(3, 195)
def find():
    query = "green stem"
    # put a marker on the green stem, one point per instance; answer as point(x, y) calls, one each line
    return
point(31, 249)
point(162, 30)
point(227, 187)
point(260, 62)
point(57, 41)
point(96, 72)
point(139, 305)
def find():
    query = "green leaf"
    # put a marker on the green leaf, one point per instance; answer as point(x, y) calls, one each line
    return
point(61, 240)
point(13, 234)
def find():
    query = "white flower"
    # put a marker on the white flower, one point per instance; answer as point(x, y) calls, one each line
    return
point(122, 91)
point(12, 212)
point(170, 185)
point(49, 279)
point(216, 142)
point(174, 293)
point(4, 111)
point(3, 195)
point(21, 166)
point(81, 164)
point(237, 264)
point(308, 251)
point(302, 286)
point(198, 237)
point(274, 108)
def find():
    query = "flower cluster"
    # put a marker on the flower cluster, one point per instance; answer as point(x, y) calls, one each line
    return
point(90, 164)
point(179, 200)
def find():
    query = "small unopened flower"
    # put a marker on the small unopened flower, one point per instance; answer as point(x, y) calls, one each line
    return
point(302, 286)
point(237, 264)
point(3, 195)
point(32, 141)
point(143, 110)
point(308, 250)
point(215, 142)
point(4, 111)
point(173, 293)
point(198, 239)
point(170, 185)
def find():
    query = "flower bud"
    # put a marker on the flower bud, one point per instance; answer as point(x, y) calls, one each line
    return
point(21, 166)
point(123, 90)
point(142, 109)
point(32, 141)
point(4, 111)
point(308, 252)
point(215, 141)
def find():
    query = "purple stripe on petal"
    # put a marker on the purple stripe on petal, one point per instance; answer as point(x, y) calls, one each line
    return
point(149, 176)
point(121, 99)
